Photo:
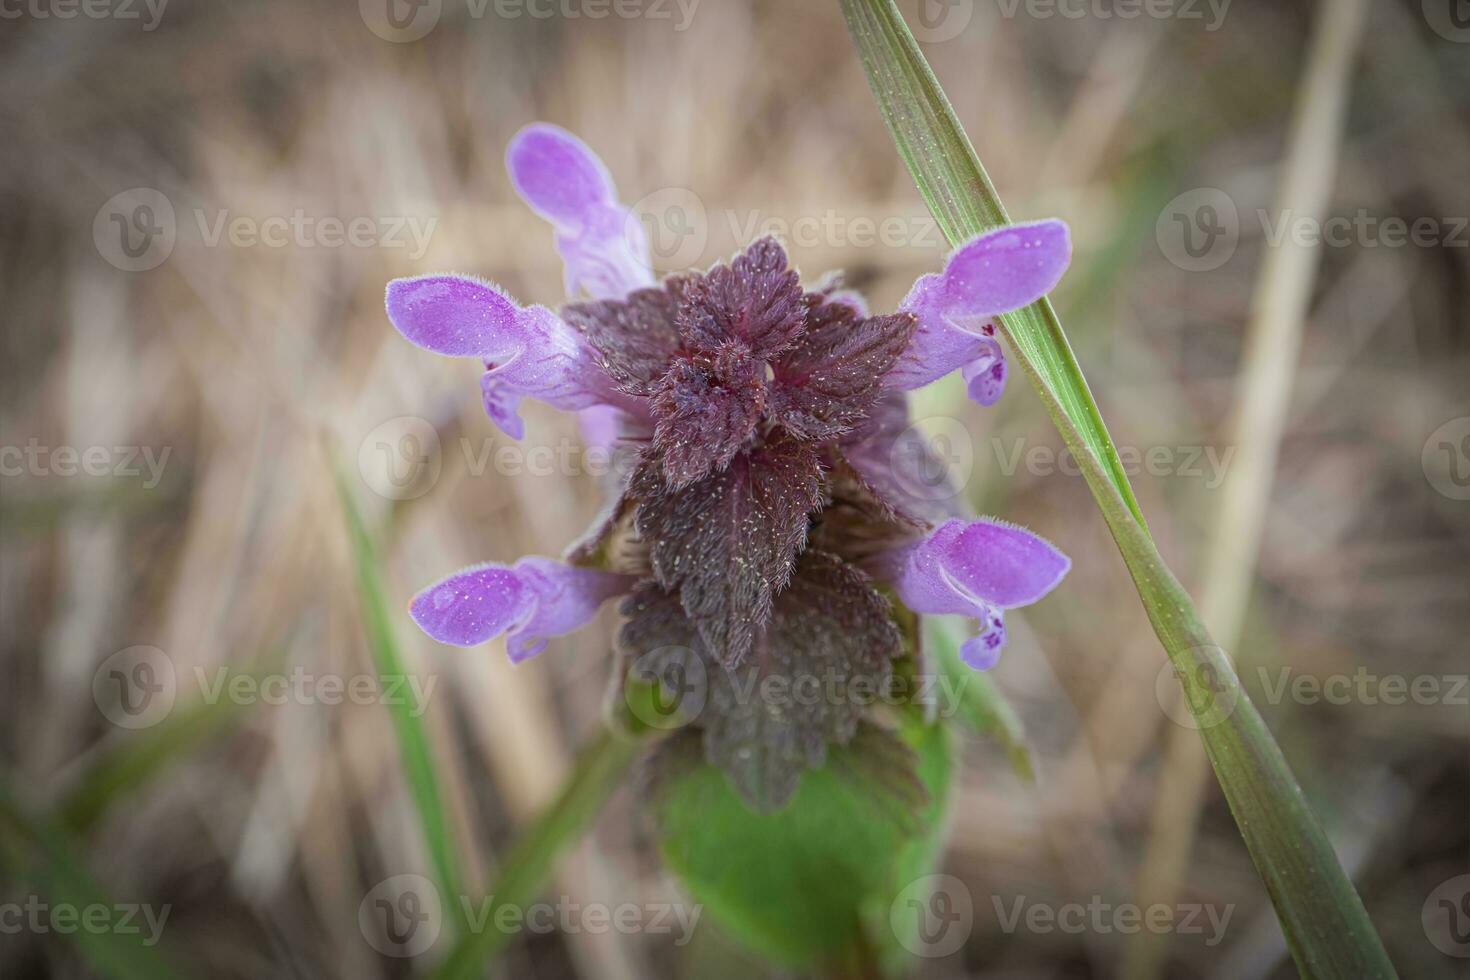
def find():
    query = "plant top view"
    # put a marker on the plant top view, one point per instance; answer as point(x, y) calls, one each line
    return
point(681, 647)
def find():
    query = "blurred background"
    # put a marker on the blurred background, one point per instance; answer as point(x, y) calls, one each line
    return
point(203, 202)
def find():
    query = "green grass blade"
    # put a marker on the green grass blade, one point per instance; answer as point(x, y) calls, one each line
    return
point(599, 771)
point(980, 706)
point(413, 742)
point(1321, 915)
point(35, 852)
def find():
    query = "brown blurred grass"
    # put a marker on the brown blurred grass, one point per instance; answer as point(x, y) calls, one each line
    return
point(239, 359)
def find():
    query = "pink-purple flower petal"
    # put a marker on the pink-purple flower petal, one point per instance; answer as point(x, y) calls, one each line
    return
point(602, 243)
point(993, 273)
point(975, 568)
point(530, 602)
point(527, 351)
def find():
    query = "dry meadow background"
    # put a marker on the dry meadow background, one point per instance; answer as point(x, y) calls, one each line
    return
point(254, 365)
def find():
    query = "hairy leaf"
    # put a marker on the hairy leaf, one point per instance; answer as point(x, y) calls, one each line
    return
point(729, 541)
point(707, 410)
point(753, 304)
point(635, 336)
point(811, 675)
point(828, 381)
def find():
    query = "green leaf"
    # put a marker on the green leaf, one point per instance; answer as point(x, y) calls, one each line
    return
point(1321, 915)
point(413, 743)
point(981, 705)
point(599, 771)
point(809, 886)
point(33, 851)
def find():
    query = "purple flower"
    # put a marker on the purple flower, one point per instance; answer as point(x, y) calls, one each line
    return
point(530, 601)
point(779, 490)
point(975, 568)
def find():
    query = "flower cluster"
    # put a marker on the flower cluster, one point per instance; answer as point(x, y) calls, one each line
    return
point(774, 509)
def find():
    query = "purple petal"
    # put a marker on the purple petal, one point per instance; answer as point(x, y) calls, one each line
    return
point(601, 425)
point(993, 273)
point(983, 651)
point(565, 599)
point(975, 568)
point(603, 243)
point(456, 315)
point(985, 376)
point(528, 351)
point(471, 606)
point(535, 599)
